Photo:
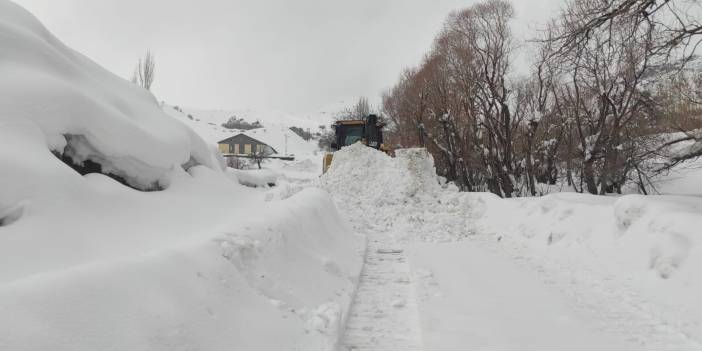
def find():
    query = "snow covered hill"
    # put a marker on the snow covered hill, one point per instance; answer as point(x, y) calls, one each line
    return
point(276, 131)
point(90, 261)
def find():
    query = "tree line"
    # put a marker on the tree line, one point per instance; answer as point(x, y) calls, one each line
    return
point(613, 98)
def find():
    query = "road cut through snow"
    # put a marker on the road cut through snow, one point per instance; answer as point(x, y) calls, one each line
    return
point(473, 299)
point(384, 313)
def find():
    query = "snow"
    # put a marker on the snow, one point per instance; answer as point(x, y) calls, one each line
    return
point(258, 178)
point(384, 314)
point(62, 93)
point(497, 306)
point(685, 179)
point(204, 263)
point(375, 189)
point(378, 253)
point(275, 133)
point(614, 273)
point(637, 255)
point(265, 116)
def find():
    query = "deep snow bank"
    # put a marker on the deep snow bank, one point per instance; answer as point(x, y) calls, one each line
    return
point(280, 284)
point(85, 111)
point(655, 233)
point(641, 255)
point(87, 263)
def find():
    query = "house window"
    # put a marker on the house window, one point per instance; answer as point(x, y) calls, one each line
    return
point(247, 149)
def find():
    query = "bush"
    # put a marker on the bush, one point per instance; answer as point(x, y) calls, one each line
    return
point(240, 123)
point(304, 134)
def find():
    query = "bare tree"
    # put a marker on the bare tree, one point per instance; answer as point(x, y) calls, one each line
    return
point(145, 71)
point(589, 113)
point(486, 30)
point(678, 20)
point(360, 110)
point(261, 154)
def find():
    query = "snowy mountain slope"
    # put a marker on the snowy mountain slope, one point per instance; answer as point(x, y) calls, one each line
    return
point(88, 263)
point(276, 132)
point(266, 117)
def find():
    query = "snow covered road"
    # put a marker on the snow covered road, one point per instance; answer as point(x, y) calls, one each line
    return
point(384, 313)
point(474, 299)
point(470, 295)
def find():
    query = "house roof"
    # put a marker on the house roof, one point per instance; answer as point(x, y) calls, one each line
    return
point(246, 138)
point(280, 138)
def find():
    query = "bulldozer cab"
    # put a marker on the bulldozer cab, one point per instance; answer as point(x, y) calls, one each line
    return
point(369, 131)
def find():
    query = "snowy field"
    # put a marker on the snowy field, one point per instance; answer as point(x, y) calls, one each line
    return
point(170, 250)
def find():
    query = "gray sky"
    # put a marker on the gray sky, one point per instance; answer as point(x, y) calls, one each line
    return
point(290, 55)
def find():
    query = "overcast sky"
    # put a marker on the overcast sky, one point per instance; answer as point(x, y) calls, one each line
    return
point(290, 55)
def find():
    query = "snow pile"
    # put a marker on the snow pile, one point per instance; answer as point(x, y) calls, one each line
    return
point(684, 179)
point(85, 111)
point(655, 233)
point(667, 228)
point(247, 285)
point(380, 193)
point(89, 263)
point(645, 248)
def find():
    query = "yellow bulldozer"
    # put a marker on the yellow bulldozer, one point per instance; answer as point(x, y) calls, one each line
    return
point(368, 130)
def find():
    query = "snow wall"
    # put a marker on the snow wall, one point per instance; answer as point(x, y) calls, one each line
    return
point(87, 263)
point(77, 108)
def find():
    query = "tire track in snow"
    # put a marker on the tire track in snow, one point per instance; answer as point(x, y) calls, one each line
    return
point(384, 315)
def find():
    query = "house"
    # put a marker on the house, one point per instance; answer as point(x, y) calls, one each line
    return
point(242, 144)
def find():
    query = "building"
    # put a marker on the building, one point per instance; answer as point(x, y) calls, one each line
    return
point(242, 144)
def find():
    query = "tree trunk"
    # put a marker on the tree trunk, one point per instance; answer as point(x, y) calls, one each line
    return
point(589, 176)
